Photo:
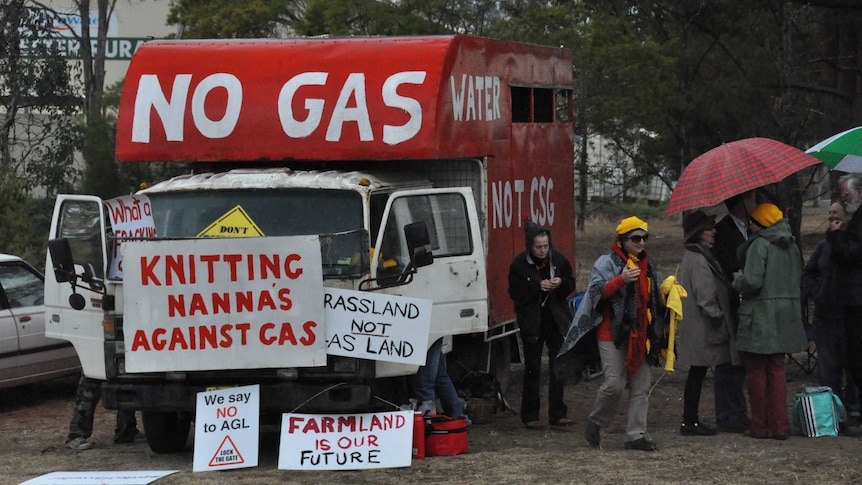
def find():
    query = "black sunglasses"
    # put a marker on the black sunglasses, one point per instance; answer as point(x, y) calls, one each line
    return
point(638, 238)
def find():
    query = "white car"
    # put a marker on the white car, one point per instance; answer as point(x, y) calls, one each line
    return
point(26, 355)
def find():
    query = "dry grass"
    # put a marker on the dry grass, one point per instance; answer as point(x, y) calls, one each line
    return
point(33, 423)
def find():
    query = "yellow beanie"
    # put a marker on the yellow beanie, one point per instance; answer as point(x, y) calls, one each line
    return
point(630, 224)
point(766, 214)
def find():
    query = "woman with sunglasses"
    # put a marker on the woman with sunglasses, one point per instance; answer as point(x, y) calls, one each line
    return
point(623, 303)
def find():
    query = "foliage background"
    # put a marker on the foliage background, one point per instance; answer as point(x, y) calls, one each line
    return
point(664, 81)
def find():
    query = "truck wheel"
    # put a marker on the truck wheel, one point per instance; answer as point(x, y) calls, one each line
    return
point(166, 432)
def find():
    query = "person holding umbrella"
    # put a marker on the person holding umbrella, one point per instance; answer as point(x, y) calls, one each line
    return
point(770, 320)
point(731, 409)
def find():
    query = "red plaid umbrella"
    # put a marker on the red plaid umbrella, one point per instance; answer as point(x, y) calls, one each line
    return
point(735, 168)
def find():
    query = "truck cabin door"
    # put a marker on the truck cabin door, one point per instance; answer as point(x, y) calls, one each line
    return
point(80, 219)
point(455, 280)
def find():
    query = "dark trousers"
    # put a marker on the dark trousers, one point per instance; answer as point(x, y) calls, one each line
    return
point(830, 340)
point(530, 399)
point(767, 390)
point(853, 334)
point(729, 389)
point(691, 395)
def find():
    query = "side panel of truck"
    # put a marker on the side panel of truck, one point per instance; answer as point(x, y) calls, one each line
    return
point(435, 102)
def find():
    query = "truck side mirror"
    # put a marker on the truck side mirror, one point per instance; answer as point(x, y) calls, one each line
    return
point(418, 244)
point(61, 258)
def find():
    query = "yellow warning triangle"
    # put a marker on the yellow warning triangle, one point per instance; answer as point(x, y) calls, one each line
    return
point(227, 454)
point(234, 223)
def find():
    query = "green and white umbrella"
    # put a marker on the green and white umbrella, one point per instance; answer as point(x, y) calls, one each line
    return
point(842, 152)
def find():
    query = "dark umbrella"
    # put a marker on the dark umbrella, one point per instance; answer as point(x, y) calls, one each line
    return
point(735, 168)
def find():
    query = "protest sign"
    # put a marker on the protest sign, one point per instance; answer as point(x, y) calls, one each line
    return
point(227, 426)
point(376, 326)
point(346, 441)
point(131, 216)
point(206, 304)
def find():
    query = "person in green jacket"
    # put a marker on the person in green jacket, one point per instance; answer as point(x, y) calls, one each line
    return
point(770, 318)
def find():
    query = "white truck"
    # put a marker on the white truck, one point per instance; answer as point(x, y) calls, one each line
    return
point(411, 162)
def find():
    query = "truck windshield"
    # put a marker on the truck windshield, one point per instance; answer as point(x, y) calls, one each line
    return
point(336, 215)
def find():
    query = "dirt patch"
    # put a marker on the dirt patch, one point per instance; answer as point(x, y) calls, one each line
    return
point(34, 420)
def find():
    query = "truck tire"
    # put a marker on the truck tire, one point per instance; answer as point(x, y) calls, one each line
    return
point(166, 432)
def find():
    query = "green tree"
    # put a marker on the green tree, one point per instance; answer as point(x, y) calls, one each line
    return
point(229, 19)
point(38, 135)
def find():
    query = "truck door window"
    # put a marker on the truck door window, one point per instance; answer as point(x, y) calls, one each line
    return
point(445, 216)
point(80, 224)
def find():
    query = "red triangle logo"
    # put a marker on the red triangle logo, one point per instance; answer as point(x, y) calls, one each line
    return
point(227, 454)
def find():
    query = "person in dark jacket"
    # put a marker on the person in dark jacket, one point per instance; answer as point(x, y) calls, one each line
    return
point(540, 282)
point(770, 318)
point(731, 409)
point(847, 256)
point(818, 285)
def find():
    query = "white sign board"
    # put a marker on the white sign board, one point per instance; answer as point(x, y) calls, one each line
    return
point(227, 426)
point(131, 217)
point(206, 304)
point(130, 477)
point(346, 441)
point(375, 326)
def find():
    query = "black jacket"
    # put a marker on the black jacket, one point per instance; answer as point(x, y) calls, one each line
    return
point(847, 256)
point(525, 290)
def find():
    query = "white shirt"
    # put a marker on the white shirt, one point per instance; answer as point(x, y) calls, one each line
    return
point(741, 225)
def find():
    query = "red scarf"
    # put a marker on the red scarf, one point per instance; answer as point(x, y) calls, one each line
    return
point(638, 336)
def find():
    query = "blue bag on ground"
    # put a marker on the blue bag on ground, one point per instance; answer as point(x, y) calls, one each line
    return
point(818, 412)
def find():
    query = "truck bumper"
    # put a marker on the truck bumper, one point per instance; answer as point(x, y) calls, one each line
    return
point(275, 398)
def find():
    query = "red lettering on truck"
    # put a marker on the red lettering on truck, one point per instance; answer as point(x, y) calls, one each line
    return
point(204, 337)
point(182, 269)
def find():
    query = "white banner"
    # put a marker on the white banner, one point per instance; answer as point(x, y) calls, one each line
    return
point(377, 326)
point(346, 441)
point(131, 216)
point(204, 304)
point(227, 427)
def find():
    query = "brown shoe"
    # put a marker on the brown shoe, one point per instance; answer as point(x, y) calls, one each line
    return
point(533, 424)
point(563, 422)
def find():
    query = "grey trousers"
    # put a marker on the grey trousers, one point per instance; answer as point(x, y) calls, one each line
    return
point(611, 391)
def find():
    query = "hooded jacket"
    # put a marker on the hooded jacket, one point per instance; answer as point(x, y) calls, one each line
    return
point(526, 292)
point(770, 315)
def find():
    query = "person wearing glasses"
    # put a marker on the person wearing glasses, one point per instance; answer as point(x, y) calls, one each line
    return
point(819, 285)
point(770, 318)
point(846, 254)
point(624, 305)
point(705, 335)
